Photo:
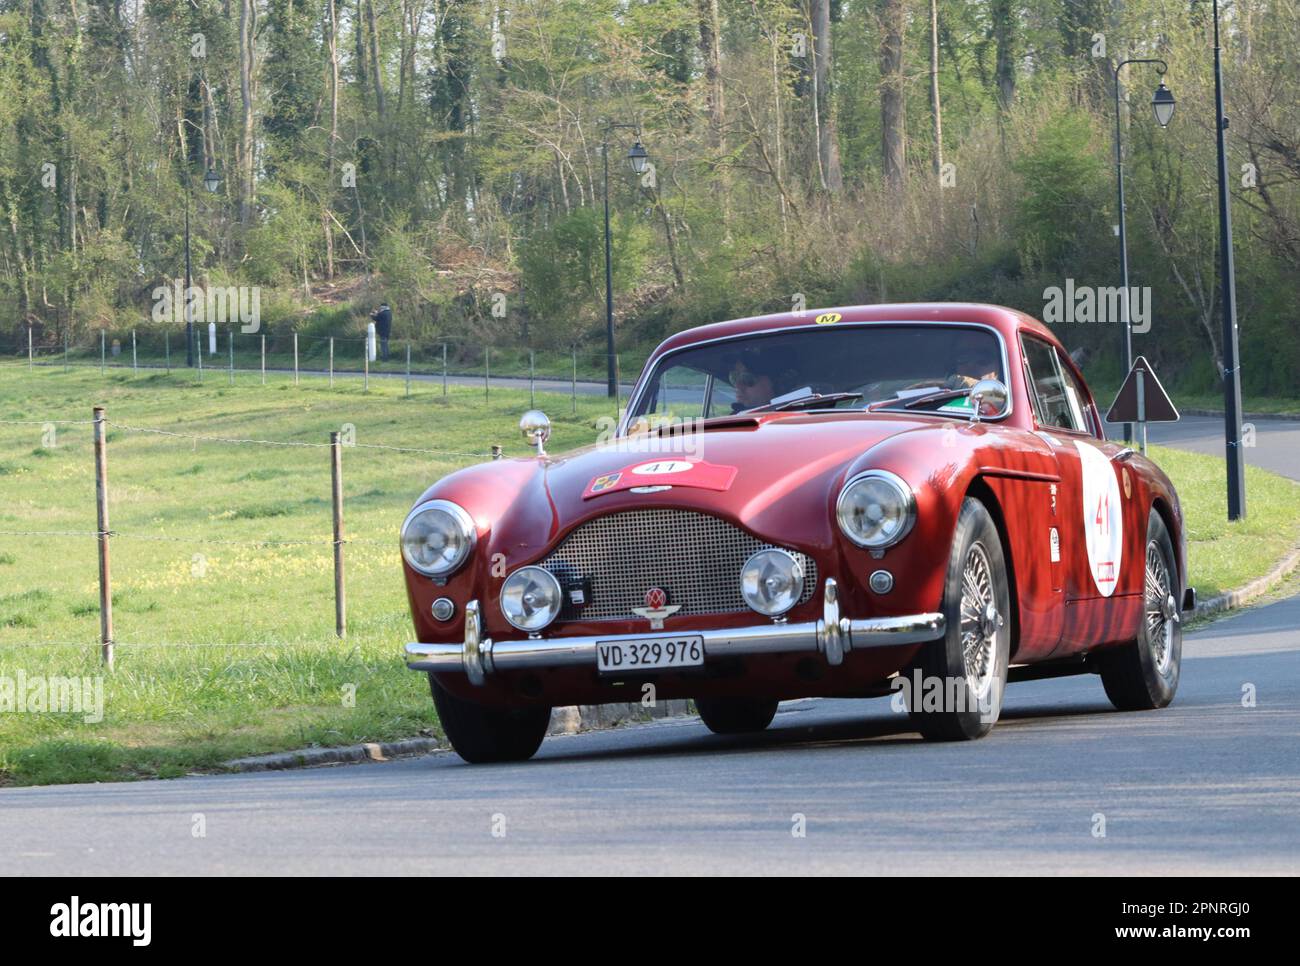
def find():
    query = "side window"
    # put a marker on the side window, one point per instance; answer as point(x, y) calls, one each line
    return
point(680, 393)
point(1058, 402)
point(1076, 395)
point(722, 399)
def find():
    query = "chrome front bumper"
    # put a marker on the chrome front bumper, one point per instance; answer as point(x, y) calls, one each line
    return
point(833, 636)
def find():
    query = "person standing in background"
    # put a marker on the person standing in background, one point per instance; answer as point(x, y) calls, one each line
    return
point(383, 317)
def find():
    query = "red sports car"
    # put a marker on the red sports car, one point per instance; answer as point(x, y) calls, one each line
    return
point(906, 500)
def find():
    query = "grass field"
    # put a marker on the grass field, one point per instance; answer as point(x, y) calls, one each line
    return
point(227, 642)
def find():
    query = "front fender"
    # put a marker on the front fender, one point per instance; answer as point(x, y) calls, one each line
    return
point(941, 464)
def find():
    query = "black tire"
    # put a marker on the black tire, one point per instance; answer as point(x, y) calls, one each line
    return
point(968, 699)
point(735, 716)
point(482, 735)
point(1143, 674)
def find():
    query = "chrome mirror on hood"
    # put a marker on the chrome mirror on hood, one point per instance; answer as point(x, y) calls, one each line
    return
point(988, 399)
point(536, 428)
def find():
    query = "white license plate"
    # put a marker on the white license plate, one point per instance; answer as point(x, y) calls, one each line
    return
point(650, 653)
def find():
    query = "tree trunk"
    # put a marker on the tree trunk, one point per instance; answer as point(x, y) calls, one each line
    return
point(893, 117)
point(711, 51)
point(246, 146)
point(935, 112)
point(375, 77)
point(1003, 14)
point(332, 44)
point(828, 147)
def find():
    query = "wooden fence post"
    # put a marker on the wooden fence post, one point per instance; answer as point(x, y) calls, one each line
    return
point(135, 362)
point(340, 594)
point(101, 506)
point(331, 362)
point(295, 358)
point(408, 369)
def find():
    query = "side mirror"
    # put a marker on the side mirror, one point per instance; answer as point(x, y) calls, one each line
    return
point(536, 428)
point(989, 399)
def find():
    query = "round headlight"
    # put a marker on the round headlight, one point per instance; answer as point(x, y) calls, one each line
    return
point(531, 598)
point(771, 581)
point(876, 509)
point(437, 537)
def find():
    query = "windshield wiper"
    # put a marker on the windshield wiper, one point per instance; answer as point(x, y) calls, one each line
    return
point(936, 396)
point(815, 399)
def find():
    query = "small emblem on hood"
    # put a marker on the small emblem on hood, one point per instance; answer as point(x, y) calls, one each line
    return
point(656, 608)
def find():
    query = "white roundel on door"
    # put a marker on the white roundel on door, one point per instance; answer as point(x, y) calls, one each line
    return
point(1103, 517)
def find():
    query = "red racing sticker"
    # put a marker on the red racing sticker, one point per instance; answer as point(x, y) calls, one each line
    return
point(669, 471)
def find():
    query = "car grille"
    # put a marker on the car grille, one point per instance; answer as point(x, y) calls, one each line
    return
point(695, 557)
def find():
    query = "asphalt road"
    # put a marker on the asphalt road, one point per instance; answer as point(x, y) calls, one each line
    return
point(1206, 785)
point(1209, 785)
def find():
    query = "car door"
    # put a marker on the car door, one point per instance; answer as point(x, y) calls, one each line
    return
point(1087, 559)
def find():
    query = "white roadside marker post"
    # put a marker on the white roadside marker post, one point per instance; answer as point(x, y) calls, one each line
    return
point(101, 508)
point(336, 478)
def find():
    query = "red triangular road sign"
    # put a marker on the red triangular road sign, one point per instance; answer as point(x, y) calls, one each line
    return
point(1154, 406)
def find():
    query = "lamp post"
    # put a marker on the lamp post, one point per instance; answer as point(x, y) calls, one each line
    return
point(211, 181)
point(1162, 105)
point(1228, 295)
point(638, 158)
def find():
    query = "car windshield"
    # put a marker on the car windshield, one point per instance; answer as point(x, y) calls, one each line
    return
point(885, 366)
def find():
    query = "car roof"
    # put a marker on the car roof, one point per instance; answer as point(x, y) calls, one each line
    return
point(1007, 321)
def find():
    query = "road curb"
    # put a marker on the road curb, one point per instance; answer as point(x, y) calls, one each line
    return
point(1257, 417)
point(345, 754)
point(564, 721)
point(1234, 599)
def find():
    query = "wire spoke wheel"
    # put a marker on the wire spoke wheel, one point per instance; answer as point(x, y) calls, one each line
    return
point(1142, 674)
point(980, 620)
point(1160, 607)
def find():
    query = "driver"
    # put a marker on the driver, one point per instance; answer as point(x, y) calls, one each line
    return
point(974, 358)
point(752, 377)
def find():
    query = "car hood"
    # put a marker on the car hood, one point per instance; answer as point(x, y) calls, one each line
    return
point(774, 474)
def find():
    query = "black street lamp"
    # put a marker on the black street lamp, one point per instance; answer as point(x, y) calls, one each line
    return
point(211, 181)
point(1162, 104)
point(639, 159)
point(1227, 279)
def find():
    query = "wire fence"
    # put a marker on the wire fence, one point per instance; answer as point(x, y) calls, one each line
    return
point(106, 437)
point(234, 355)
